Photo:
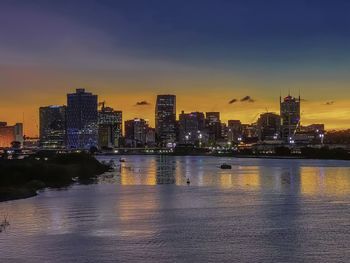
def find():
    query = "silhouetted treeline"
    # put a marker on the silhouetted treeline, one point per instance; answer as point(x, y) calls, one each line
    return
point(25, 177)
point(325, 153)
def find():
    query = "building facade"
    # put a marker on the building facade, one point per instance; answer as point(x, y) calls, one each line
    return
point(290, 117)
point(192, 128)
point(234, 131)
point(165, 119)
point(82, 120)
point(109, 127)
point(213, 125)
point(269, 126)
point(10, 134)
point(136, 132)
point(52, 126)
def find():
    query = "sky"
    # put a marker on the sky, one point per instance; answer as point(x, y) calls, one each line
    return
point(208, 53)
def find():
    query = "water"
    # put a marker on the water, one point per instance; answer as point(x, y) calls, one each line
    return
point(260, 211)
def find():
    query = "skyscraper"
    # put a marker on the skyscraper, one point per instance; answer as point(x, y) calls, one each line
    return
point(82, 120)
point(136, 132)
point(165, 119)
point(213, 124)
point(269, 125)
point(52, 126)
point(234, 131)
point(290, 117)
point(191, 127)
point(109, 127)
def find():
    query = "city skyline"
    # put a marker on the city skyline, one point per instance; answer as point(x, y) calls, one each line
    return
point(147, 109)
point(208, 53)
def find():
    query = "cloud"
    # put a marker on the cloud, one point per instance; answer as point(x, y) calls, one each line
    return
point(142, 103)
point(232, 101)
point(247, 99)
point(328, 103)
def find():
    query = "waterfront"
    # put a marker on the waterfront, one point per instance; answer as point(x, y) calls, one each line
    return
point(260, 211)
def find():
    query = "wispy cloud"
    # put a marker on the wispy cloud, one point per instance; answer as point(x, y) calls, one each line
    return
point(328, 103)
point(232, 101)
point(142, 103)
point(247, 99)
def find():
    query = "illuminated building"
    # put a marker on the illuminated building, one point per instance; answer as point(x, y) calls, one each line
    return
point(290, 117)
point(213, 125)
point(52, 126)
point(165, 119)
point(191, 127)
point(109, 127)
point(269, 125)
point(82, 120)
point(9, 134)
point(136, 131)
point(234, 131)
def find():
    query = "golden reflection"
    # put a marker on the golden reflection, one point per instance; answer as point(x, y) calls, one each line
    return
point(225, 180)
point(325, 180)
point(249, 177)
point(132, 174)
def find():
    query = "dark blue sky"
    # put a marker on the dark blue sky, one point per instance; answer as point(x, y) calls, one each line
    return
point(246, 29)
point(236, 48)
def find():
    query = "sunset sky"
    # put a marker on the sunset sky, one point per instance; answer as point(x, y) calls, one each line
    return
point(206, 52)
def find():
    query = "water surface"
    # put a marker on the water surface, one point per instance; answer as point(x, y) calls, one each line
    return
point(260, 211)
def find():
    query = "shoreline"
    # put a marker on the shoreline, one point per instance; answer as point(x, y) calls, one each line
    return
point(24, 178)
point(277, 157)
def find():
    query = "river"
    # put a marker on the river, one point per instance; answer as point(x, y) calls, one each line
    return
point(263, 210)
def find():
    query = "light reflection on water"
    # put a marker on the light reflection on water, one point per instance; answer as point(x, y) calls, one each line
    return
point(309, 177)
point(260, 211)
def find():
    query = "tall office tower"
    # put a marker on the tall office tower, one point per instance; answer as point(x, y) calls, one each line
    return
point(82, 120)
point(52, 126)
point(290, 117)
point(136, 131)
point(191, 127)
point(165, 119)
point(213, 125)
point(234, 131)
point(269, 126)
point(10, 134)
point(109, 127)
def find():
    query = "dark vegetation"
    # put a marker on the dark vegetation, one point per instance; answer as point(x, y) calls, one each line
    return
point(325, 153)
point(22, 178)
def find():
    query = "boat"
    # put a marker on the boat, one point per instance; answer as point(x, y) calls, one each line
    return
point(122, 160)
point(226, 166)
point(188, 181)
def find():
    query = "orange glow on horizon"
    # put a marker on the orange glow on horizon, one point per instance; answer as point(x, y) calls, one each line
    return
point(334, 117)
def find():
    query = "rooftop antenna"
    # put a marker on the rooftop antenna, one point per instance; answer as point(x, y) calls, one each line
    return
point(280, 96)
point(23, 122)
